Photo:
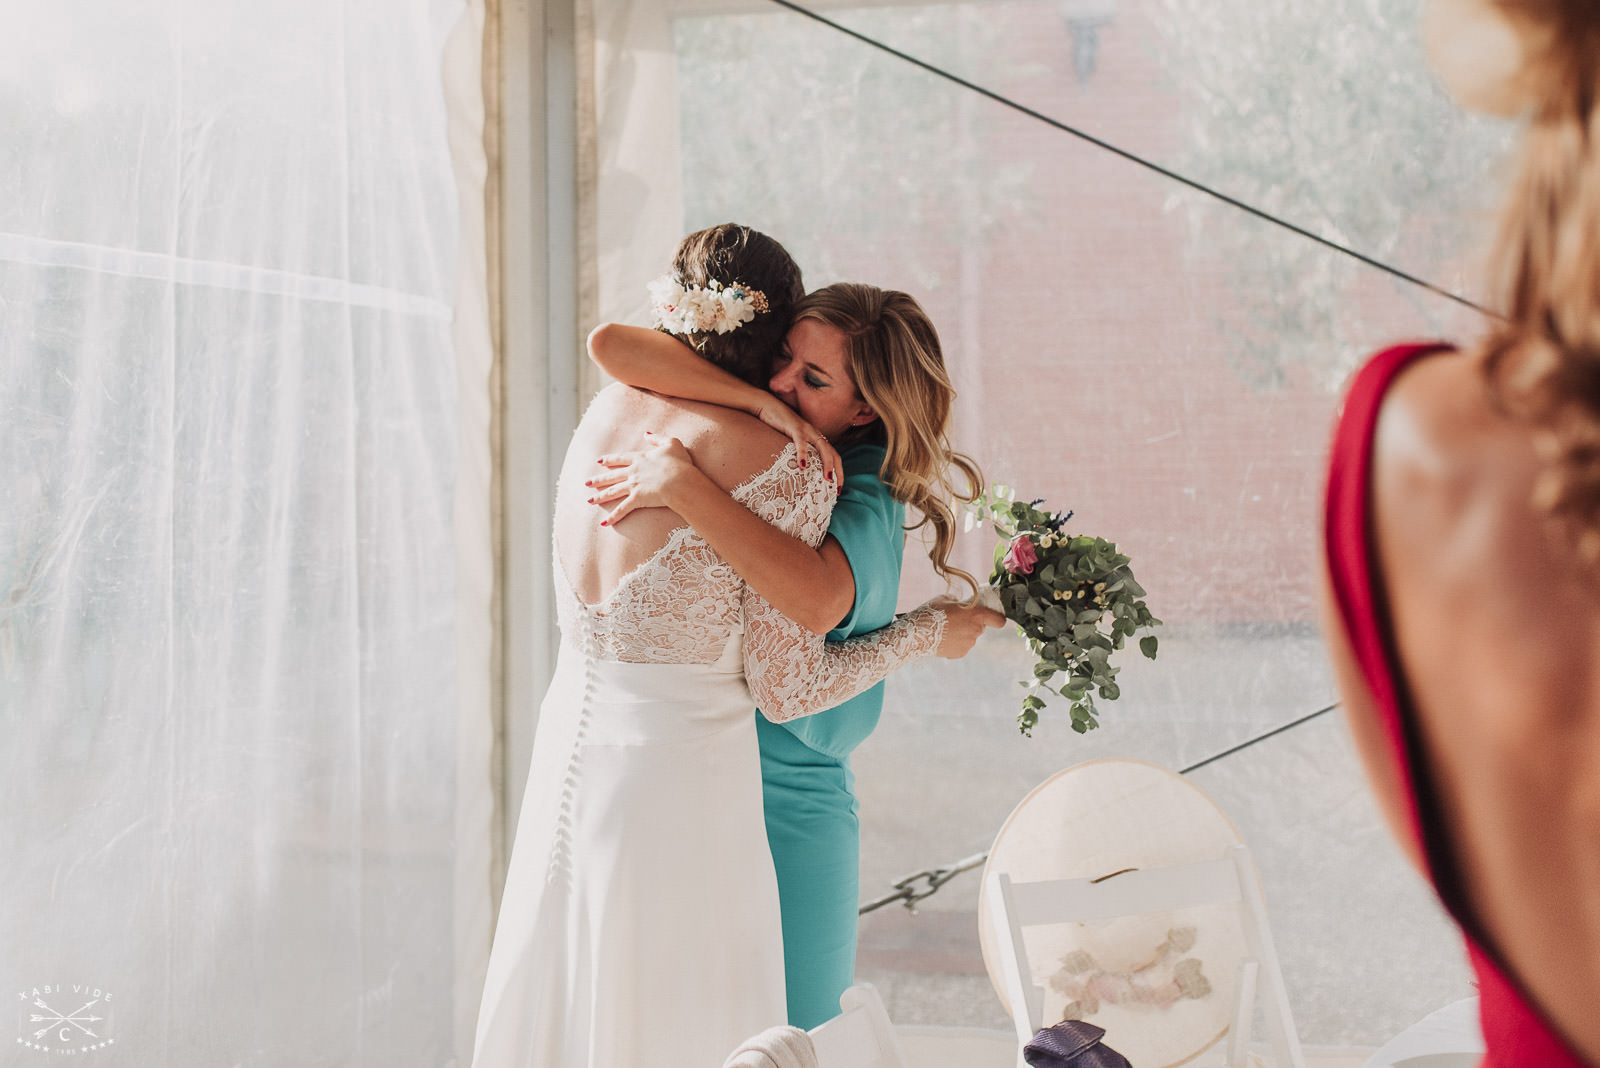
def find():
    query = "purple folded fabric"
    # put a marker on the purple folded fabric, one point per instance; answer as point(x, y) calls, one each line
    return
point(1072, 1044)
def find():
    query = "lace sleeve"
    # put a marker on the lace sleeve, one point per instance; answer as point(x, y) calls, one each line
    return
point(793, 672)
point(797, 500)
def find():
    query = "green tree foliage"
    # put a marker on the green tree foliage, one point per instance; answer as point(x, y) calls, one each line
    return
point(1324, 114)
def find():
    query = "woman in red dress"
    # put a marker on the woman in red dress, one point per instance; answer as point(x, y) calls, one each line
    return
point(1462, 537)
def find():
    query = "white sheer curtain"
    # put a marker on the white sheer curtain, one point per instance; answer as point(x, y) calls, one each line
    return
point(238, 660)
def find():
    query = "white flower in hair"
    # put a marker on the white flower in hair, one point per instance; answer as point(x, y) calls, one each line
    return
point(737, 309)
point(665, 293)
point(701, 309)
point(712, 308)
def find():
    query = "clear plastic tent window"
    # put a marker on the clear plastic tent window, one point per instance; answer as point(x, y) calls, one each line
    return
point(1160, 362)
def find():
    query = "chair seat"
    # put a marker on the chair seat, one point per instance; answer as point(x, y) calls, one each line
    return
point(1118, 893)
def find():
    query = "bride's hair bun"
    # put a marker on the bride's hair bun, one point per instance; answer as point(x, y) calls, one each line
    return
point(732, 253)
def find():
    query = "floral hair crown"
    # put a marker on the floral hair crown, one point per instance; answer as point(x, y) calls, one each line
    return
point(712, 308)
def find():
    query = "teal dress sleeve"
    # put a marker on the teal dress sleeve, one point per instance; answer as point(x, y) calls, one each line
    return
point(870, 527)
point(807, 786)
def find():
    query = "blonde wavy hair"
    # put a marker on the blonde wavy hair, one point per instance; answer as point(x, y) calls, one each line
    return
point(1542, 363)
point(892, 352)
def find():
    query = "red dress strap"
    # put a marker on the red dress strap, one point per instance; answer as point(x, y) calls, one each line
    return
point(1516, 1034)
point(1357, 584)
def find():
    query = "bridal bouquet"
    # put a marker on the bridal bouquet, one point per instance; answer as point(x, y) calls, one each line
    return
point(1073, 596)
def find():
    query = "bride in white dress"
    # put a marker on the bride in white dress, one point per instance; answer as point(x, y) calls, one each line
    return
point(640, 925)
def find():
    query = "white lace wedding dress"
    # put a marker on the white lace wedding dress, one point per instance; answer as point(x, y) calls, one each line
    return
point(639, 926)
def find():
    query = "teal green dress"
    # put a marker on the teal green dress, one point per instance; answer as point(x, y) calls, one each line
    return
point(805, 764)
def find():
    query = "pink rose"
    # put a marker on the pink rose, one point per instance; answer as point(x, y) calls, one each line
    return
point(1020, 556)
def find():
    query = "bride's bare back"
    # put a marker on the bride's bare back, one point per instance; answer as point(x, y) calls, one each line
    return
point(652, 590)
point(729, 446)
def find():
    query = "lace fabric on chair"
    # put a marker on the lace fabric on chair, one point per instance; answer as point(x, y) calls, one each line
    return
point(684, 604)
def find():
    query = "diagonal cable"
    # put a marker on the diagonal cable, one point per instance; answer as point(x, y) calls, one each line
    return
point(1140, 160)
point(1247, 743)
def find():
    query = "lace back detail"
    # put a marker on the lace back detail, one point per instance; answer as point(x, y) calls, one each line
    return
point(684, 603)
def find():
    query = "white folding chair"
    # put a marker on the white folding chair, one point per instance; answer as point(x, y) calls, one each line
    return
point(861, 1036)
point(1015, 906)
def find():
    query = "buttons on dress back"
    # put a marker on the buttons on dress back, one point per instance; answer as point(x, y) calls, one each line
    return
point(560, 865)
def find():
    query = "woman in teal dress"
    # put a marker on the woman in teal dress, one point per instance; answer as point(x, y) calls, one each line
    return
point(862, 371)
point(809, 789)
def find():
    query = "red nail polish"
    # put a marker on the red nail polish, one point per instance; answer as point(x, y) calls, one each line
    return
point(591, 500)
point(603, 522)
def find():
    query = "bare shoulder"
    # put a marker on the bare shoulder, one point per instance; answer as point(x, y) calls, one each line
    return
point(1450, 469)
point(1476, 574)
point(729, 446)
point(610, 407)
point(1435, 415)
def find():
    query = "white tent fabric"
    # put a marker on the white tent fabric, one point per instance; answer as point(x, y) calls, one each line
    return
point(244, 550)
point(632, 112)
